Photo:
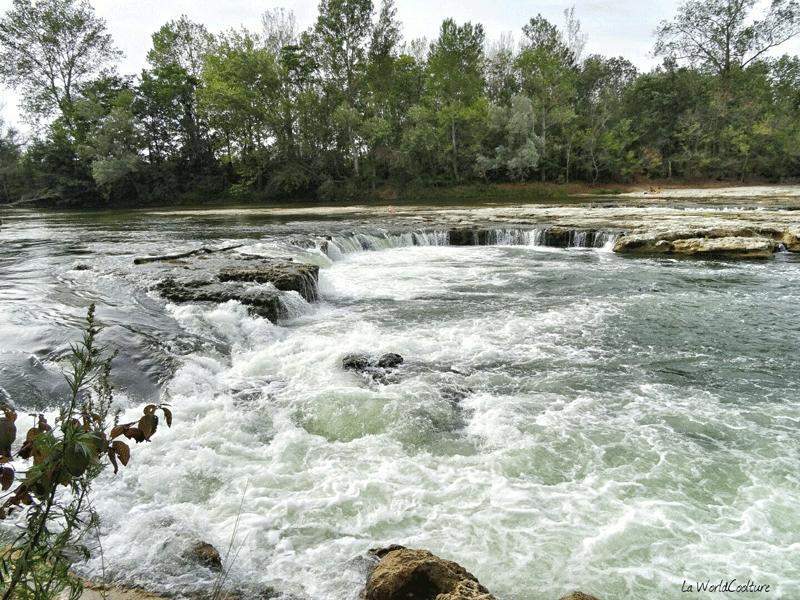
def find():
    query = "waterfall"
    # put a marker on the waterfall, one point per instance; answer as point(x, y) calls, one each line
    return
point(337, 246)
point(292, 305)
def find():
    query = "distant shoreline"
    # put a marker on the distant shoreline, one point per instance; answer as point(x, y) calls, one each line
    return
point(473, 193)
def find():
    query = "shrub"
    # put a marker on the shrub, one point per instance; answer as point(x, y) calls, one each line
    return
point(50, 499)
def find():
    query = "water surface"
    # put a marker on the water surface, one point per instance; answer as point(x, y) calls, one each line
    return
point(565, 419)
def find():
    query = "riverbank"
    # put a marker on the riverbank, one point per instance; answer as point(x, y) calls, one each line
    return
point(415, 195)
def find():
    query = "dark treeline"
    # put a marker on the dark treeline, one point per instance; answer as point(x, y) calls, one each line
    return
point(348, 107)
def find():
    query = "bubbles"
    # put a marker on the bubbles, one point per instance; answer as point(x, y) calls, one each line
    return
point(572, 419)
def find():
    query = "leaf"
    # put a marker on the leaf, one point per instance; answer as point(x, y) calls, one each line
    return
point(26, 450)
point(6, 477)
point(148, 424)
point(76, 459)
point(134, 433)
point(8, 433)
point(123, 451)
point(167, 415)
point(150, 409)
point(118, 430)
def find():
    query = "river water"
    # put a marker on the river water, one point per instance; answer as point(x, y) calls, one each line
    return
point(564, 419)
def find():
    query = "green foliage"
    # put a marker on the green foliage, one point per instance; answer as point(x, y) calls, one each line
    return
point(49, 49)
point(51, 501)
point(346, 108)
point(516, 153)
point(723, 35)
point(10, 154)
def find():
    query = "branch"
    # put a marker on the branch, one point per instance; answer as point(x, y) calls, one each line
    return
point(142, 260)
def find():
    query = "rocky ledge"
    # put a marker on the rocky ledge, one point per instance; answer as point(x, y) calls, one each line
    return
point(285, 275)
point(742, 242)
point(256, 282)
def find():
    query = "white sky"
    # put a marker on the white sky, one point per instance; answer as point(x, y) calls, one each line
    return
point(614, 27)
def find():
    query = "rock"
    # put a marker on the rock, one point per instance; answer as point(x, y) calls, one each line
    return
point(406, 574)
point(698, 242)
point(390, 361)
point(265, 303)
point(466, 237)
point(285, 275)
point(82, 267)
point(578, 596)
point(206, 555)
point(791, 239)
point(742, 247)
point(355, 362)
point(375, 369)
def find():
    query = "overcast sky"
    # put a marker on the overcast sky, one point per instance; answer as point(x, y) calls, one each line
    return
point(614, 27)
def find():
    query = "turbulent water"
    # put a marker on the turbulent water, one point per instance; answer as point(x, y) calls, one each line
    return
point(564, 419)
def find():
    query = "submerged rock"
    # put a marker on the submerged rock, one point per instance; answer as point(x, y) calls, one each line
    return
point(206, 555)
point(390, 361)
point(374, 368)
point(407, 574)
point(262, 302)
point(356, 362)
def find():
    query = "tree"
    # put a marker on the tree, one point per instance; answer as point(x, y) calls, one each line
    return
point(280, 29)
point(548, 71)
point(343, 31)
point(113, 139)
point(720, 35)
point(502, 81)
point(605, 134)
point(455, 67)
point(240, 97)
point(169, 99)
point(10, 153)
point(516, 151)
point(48, 49)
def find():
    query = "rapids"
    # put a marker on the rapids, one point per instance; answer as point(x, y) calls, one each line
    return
point(564, 419)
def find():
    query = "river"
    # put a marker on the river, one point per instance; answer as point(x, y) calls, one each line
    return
point(564, 418)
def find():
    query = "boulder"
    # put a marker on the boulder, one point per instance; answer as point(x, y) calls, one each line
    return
point(578, 596)
point(206, 555)
point(371, 367)
point(285, 275)
point(356, 362)
point(407, 574)
point(791, 239)
point(390, 361)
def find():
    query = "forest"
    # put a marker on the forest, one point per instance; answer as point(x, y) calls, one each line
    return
point(350, 109)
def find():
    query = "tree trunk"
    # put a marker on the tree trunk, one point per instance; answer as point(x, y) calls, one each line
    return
point(544, 143)
point(455, 151)
point(356, 165)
